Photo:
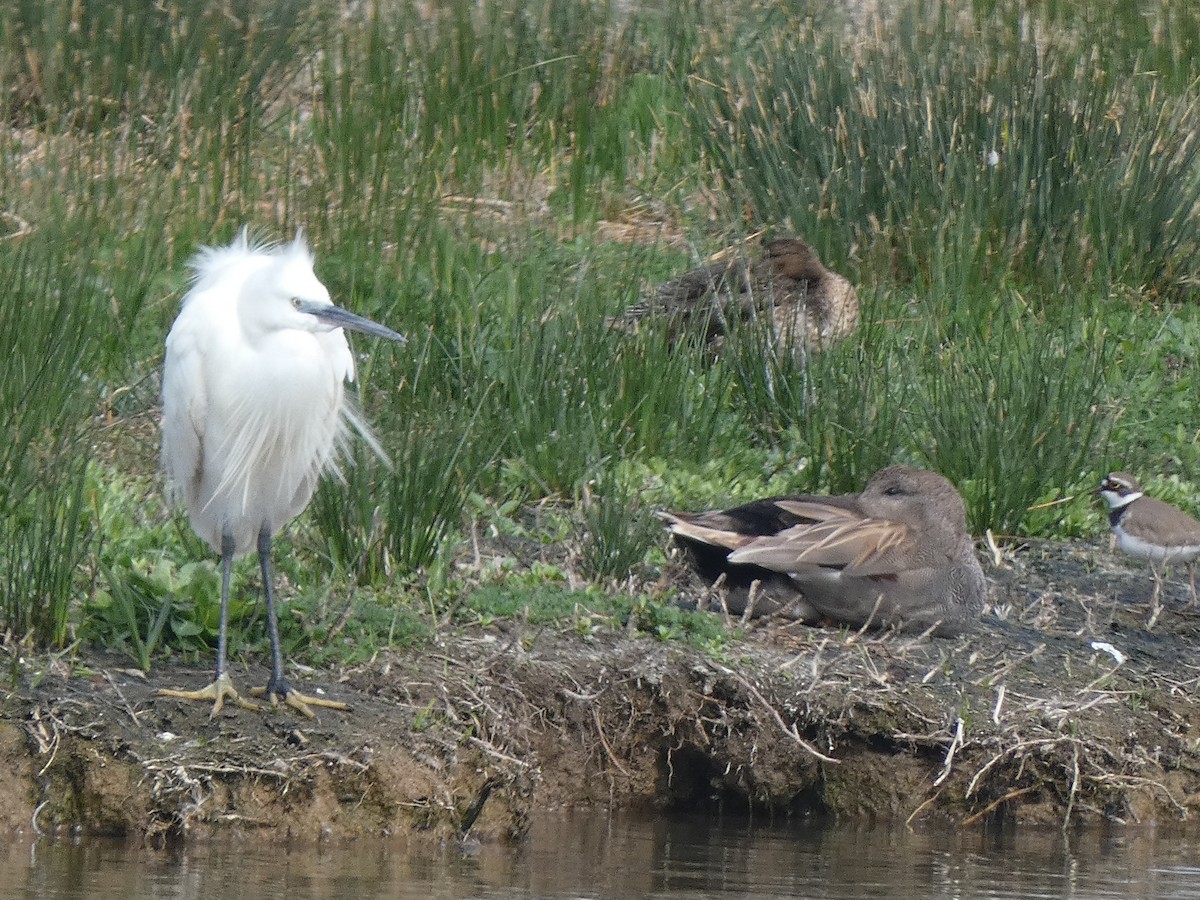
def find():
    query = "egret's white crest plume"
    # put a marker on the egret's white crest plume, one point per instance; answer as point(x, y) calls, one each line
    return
point(254, 411)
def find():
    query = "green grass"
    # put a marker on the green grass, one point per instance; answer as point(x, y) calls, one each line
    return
point(617, 530)
point(1030, 390)
point(1094, 178)
point(46, 314)
point(553, 605)
point(466, 175)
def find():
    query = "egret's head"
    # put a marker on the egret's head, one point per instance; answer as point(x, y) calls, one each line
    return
point(285, 293)
point(291, 278)
point(281, 289)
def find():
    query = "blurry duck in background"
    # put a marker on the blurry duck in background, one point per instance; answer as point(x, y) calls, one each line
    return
point(808, 306)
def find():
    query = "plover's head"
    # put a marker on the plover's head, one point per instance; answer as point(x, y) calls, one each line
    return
point(1119, 489)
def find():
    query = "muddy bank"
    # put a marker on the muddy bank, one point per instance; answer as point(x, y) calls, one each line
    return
point(1030, 718)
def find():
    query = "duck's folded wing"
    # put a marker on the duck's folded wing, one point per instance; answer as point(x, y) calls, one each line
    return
point(691, 294)
point(704, 533)
point(682, 293)
point(832, 538)
point(817, 511)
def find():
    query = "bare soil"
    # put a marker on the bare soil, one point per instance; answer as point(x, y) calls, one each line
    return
point(1030, 718)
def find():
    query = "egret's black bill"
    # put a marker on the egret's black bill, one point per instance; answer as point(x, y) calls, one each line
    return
point(343, 318)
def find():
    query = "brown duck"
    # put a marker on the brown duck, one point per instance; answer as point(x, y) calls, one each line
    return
point(805, 302)
point(896, 555)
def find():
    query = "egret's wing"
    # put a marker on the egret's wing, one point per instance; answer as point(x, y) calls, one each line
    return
point(836, 538)
point(185, 408)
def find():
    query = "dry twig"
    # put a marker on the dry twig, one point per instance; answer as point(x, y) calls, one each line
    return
point(790, 732)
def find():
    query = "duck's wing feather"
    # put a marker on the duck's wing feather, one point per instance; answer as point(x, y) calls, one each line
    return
point(697, 530)
point(834, 538)
point(755, 519)
point(683, 293)
point(693, 295)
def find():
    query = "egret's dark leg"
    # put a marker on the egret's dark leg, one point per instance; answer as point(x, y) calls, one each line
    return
point(227, 548)
point(222, 687)
point(277, 687)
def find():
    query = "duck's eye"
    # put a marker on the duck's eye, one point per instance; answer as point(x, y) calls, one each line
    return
point(295, 303)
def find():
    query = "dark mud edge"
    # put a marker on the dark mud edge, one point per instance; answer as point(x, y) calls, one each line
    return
point(1031, 718)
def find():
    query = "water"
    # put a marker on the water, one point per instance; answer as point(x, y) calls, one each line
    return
point(592, 855)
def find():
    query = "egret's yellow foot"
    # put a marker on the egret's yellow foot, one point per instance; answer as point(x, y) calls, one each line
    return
point(219, 691)
point(300, 702)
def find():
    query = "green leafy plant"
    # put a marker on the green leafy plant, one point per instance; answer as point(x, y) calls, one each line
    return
point(149, 605)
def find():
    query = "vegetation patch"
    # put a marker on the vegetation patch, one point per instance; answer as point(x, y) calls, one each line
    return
point(1012, 187)
point(1061, 708)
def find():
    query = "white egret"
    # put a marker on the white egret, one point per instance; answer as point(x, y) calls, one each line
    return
point(254, 410)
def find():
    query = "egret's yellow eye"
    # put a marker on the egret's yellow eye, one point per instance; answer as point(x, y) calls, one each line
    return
point(295, 303)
